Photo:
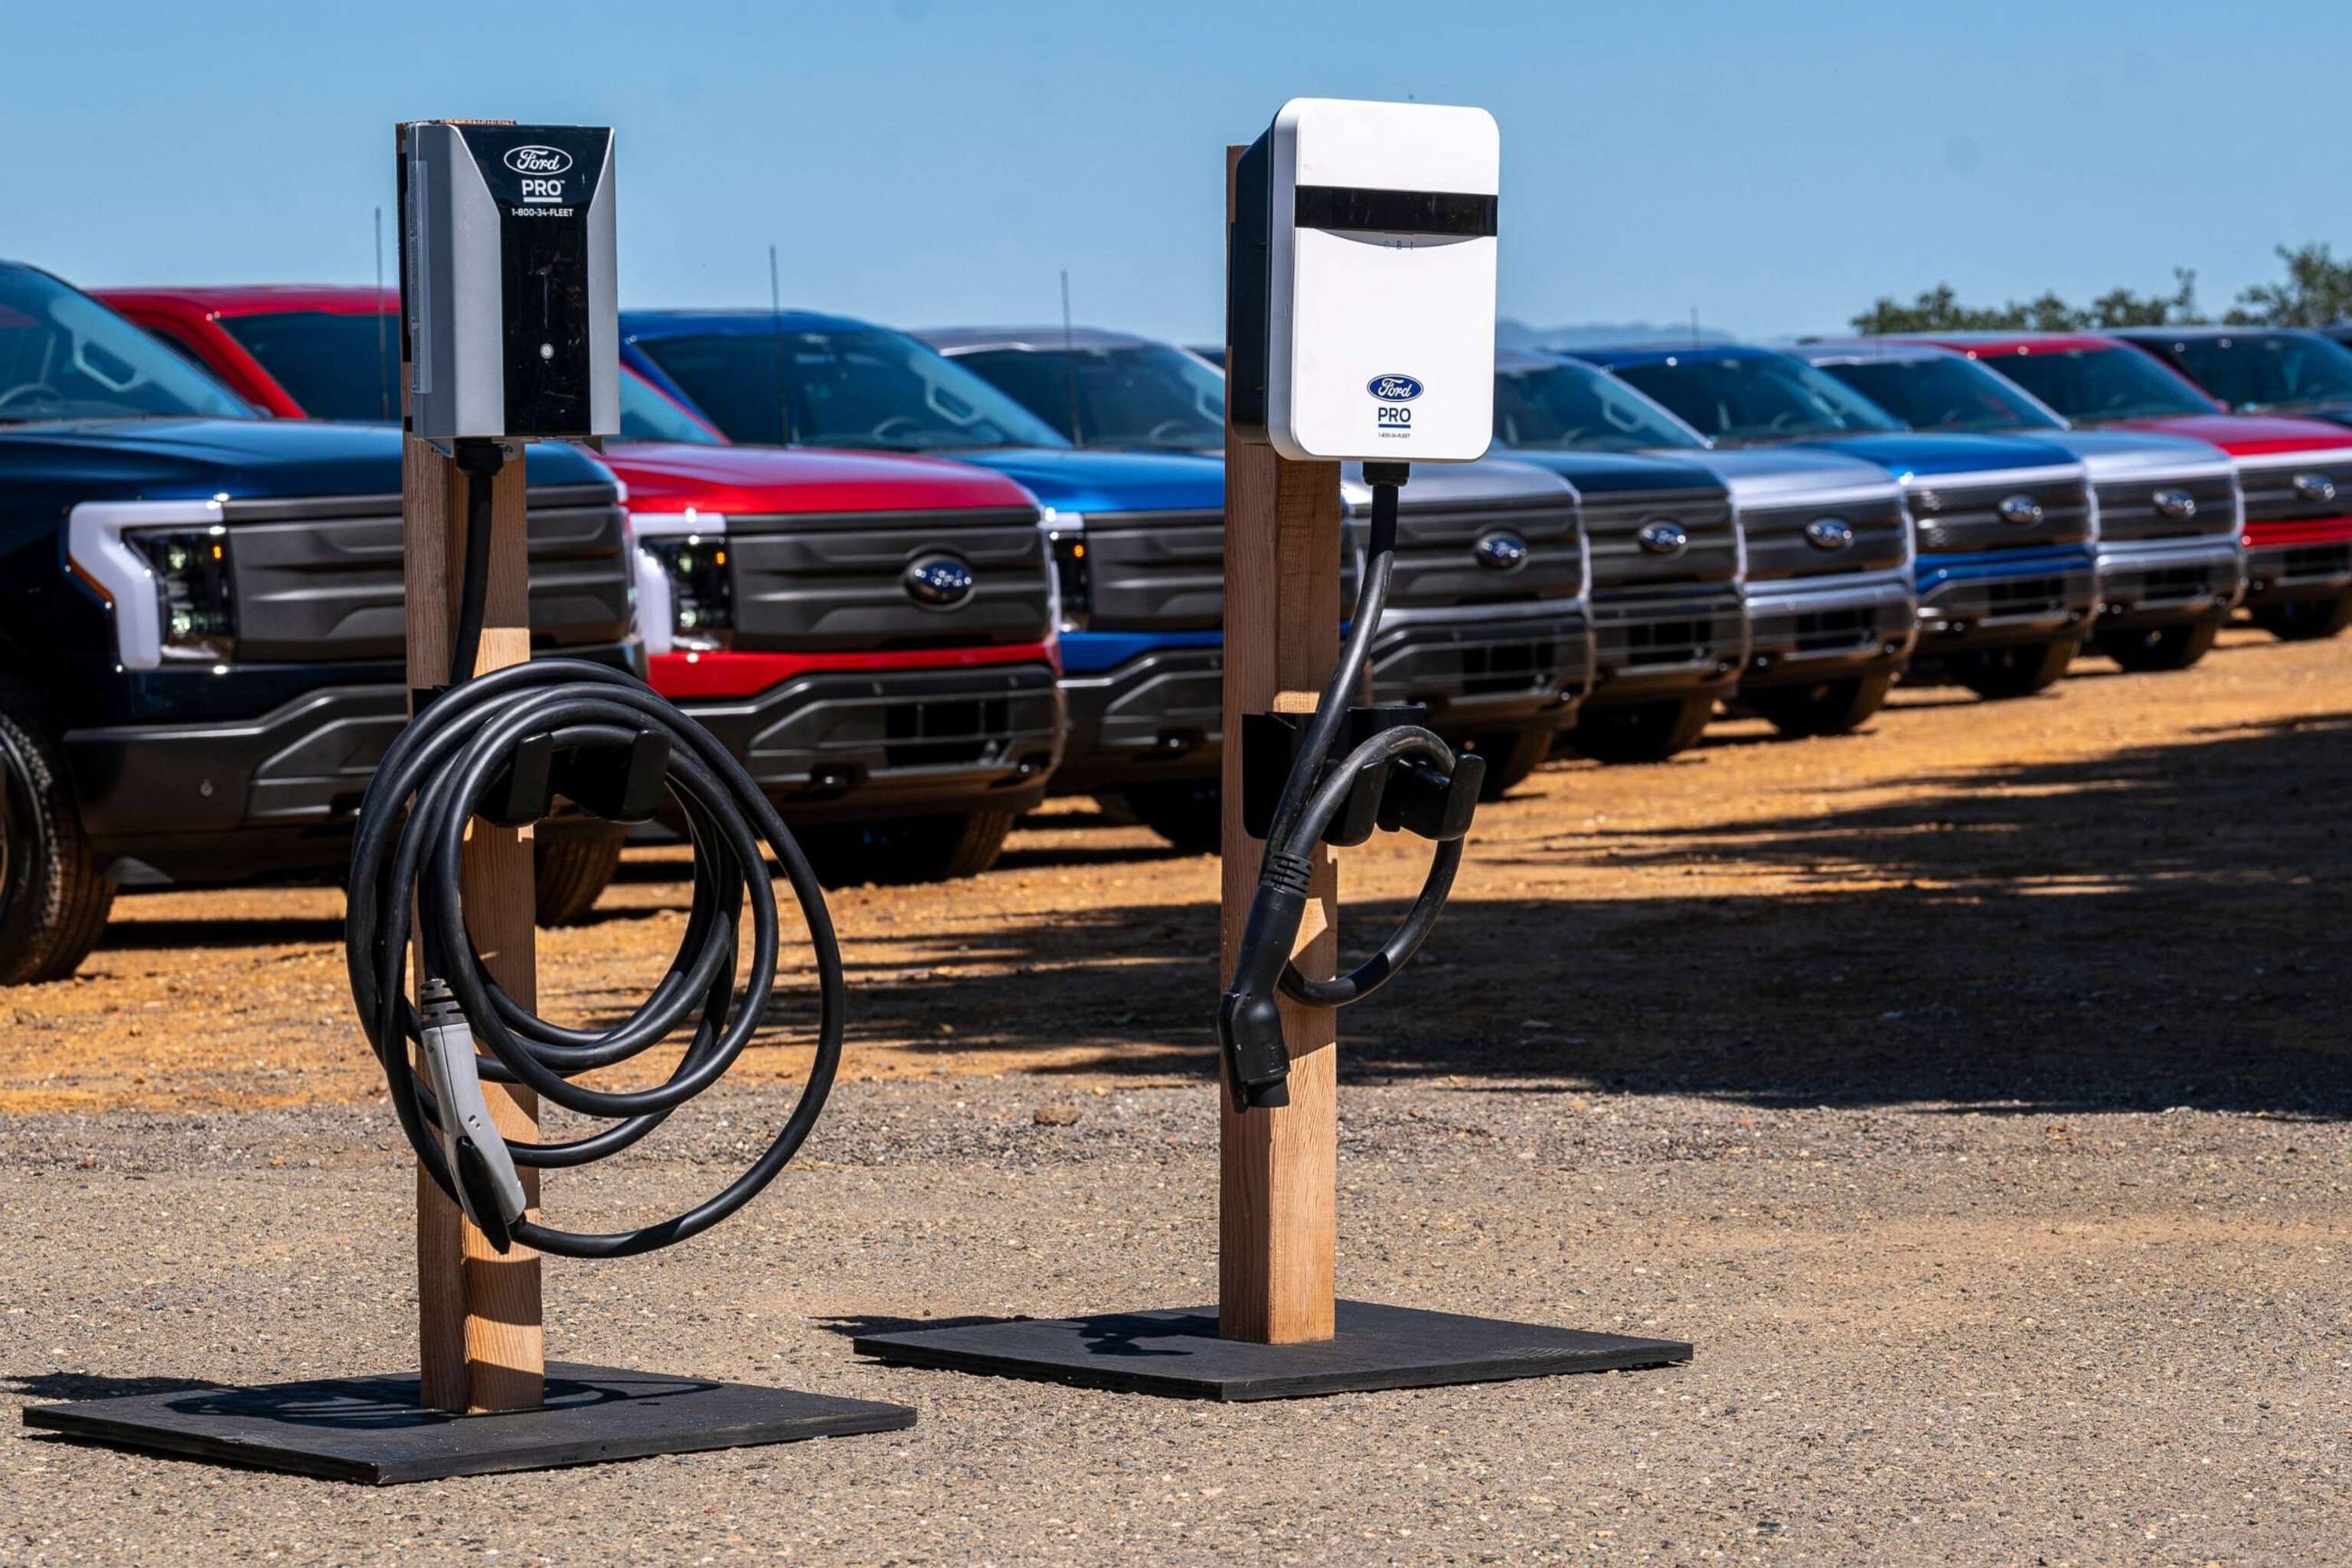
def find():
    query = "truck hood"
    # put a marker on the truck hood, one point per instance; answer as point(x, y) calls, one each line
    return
point(1599, 473)
point(765, 480)
point(2249, 434)
point(1490, 482)
point(1906, 453)
point(1088, 482)
point(2140, 455)
point(190, 459)
point(1782, 475)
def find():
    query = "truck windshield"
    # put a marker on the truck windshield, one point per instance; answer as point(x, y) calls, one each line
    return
point(1127, 395)
point(1574, 407)
point(2255, 371)
point(343, 365)
point(864, 388)
point(1941, 393)
point(1739, 399)
point(63, 355)
point(2092, 386)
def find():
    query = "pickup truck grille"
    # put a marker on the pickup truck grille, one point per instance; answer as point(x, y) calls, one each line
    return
point(1964, 517)
point(321, 580)
point(1438, 561)
point(1165, 571)
point(1614, 524)
point(838, 581)
point(2128, 510)
point(2272, 496)
point(1780, 549)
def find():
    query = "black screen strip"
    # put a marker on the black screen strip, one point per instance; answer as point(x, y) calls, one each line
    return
point(1449, 214)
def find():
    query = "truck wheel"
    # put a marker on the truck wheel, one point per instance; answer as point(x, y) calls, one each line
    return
point(1648, 733)
point(572, 871)
point(1826, 708)
point(1511, 756)
point(908, 849)
point(1188, 813)
point(2303, 620)
point(2159, 647)
point(1997, 674)
point(53, 902)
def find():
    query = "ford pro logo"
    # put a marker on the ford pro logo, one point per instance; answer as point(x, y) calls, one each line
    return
point(1393, 388)
point(2314, 487)
point(1663, 536)
point(1829, 533)
point(2019, 510)
point(537, 160)
point(941, 580)
point(1501, 550)
point(2176, 504)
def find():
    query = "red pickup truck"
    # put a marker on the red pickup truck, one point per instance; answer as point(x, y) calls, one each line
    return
point(871, 634)
point(2296, 473)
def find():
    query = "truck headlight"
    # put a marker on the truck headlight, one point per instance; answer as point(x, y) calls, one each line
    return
point(195, 600)
point(1065, 547)
point(702, 590)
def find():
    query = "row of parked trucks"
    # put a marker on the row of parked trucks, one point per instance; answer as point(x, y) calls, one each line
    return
point(918, 582)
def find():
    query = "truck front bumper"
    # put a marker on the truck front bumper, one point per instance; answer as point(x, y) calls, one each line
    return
point(2168, 583)
point(1485, 668)
point(2003, 598)
point(1813, 629)
point(2304, 559)
point(1652, 646)
point(1155, 715)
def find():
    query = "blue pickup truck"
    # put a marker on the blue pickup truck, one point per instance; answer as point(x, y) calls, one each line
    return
point(2003, 525)
point(202, 633)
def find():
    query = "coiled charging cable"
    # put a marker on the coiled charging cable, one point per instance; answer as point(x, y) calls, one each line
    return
point(1249, 1019)
point(476, 749)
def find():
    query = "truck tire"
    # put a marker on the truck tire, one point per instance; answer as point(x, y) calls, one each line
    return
point(1188, 813)
point(52, 901)
point(572, 871)
point(2303, 620)
point(2000, 673)
point(2159, 647)
point(908, 849)
point(1512, 756)
point(1645, 732)
point(1826, 708)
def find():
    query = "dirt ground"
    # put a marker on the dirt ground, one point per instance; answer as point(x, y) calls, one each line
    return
point(1972, 1091)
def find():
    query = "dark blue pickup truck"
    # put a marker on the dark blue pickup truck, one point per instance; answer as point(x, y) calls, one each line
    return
point(202, 631)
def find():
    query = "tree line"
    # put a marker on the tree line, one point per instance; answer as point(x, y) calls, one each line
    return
point(2316, 290)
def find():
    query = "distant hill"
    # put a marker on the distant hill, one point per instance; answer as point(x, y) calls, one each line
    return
point(1519, 336)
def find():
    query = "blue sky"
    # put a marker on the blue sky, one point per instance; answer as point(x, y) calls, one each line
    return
point(1774, 168)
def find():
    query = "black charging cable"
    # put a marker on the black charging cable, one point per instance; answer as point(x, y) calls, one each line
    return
point(1436, 797)
point(499, 747)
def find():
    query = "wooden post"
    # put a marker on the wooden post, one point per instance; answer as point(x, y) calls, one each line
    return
point(1278, 1169)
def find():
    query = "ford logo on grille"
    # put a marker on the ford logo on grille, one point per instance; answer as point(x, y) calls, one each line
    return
point(538, 160)
point(2314, 487)
point(2177, 504)
point(941, 579)
point(1393, 388)
point(2021, 510)
point(1829, 533)
point(1501, 550)
point(1663, 536)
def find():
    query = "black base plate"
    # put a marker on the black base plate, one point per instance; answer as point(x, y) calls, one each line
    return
point(1178, 1352)
point(373, 1429)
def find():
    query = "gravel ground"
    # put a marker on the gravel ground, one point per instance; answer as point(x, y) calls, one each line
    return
point(1972, 1093)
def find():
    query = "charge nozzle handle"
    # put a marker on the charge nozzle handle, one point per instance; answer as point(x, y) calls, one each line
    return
point(481, 1167)
point(1249, 1019)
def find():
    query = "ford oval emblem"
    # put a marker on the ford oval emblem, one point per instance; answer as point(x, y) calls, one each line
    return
point(2314, 487)
point(538, 160)
point(1502, 550)
point(2020, 511)
point(938, 580)
point(2176, 503)
point(1663, 536)
point(1393, 388)
point(1829, 533)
